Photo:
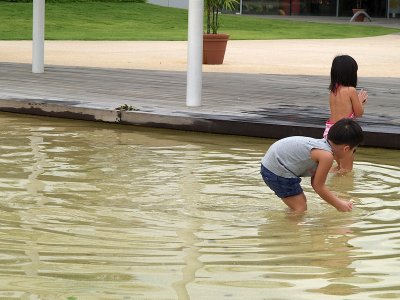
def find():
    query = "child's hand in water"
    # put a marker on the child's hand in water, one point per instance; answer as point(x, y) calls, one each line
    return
point(344, 206)
point(363, 96)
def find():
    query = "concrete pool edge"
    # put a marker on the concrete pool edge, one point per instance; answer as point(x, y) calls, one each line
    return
point(180, 120)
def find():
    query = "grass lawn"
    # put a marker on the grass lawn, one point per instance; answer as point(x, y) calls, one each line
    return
point(140, 21)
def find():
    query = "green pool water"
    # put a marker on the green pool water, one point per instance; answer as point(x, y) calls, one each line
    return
point(98, 211)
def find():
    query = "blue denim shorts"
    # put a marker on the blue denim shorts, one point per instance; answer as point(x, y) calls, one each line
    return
point(282, 186)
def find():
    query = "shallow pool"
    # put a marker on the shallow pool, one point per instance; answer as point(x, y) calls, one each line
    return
point(97, 211)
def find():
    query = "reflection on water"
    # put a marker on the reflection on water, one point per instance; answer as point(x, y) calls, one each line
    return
point(95, 211)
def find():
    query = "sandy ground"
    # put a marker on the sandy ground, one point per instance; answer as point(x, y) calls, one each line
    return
point(376, 56)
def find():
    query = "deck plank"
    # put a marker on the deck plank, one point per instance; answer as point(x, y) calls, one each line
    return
point(249, 102)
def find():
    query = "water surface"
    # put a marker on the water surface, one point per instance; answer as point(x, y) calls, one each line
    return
point(98, 211)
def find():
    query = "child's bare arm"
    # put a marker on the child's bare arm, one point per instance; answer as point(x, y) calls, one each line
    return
point(362, 96)
point(325, 161)
point(358, 101)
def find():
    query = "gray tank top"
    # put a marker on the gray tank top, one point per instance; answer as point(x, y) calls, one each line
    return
point(291, 157)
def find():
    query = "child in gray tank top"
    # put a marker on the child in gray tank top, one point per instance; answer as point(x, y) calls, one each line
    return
point(291, 158)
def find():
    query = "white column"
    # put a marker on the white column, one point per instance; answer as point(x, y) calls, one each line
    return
point(38, 36)
point(195, 53)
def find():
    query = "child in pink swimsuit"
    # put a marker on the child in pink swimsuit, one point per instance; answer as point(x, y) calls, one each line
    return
point(329, 124)
point(344, 101)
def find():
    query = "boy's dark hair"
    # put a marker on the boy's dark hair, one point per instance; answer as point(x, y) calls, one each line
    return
point(346, 132)
point(343, 72)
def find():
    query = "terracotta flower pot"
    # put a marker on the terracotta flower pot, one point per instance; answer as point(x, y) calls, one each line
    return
point(214, 46)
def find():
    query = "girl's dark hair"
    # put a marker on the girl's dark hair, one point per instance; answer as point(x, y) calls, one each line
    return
point(343, 72)
point(346, 132)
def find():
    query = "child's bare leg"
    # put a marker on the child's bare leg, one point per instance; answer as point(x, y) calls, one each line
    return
point(336, 168)
point(297, 203)
point(343, 165)
point(346, 164)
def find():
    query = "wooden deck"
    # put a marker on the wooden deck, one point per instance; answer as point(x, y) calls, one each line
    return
point(261, 105)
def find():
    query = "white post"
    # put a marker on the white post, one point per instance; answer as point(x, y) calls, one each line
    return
point(38, 36)
point(195, 53)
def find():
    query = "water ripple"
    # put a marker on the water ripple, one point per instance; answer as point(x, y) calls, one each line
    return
point(95, 211)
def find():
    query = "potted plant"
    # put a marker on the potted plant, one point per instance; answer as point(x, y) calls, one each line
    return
point(214, 43)
point(361, 16)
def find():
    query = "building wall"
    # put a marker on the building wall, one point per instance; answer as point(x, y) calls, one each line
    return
point(171, 3)
point(376, 8)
